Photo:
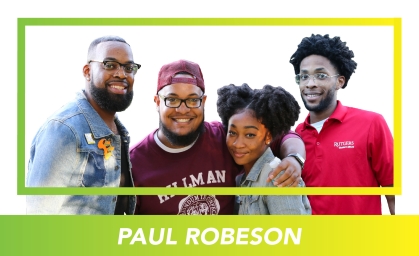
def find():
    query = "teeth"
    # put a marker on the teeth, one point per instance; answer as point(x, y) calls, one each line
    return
point(311, 95)
point(182, 120)
point(118, 87)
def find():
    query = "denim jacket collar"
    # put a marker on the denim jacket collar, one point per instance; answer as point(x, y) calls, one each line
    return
point(254, 173)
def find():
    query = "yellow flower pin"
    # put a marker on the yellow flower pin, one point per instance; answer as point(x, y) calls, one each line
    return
point(107, 148)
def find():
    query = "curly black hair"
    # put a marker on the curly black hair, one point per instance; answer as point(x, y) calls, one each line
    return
point(333, 49)
point(276, 108)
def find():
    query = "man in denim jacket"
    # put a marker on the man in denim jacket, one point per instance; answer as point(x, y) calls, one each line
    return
point(84, 144)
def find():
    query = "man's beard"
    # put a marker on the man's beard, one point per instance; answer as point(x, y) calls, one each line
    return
point(181, 140)
point(110, 101)
point(324, 103)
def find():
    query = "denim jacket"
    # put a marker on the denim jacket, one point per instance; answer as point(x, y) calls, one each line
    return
point(65, 153)
point(271, 204)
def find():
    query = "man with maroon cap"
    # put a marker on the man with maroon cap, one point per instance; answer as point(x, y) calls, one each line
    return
point(186, 151)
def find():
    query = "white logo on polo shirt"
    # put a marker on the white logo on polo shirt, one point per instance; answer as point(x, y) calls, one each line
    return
point(344, 144)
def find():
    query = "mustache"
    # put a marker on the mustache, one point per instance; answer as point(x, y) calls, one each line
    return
point(124, 81)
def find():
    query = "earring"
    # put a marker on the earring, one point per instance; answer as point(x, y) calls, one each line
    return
point(268, 142)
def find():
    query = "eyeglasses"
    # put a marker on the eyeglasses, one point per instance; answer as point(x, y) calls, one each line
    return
point(113, 66)
point(171, 102)
point(304, 78)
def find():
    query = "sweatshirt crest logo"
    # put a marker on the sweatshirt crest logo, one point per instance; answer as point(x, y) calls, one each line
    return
point(199, 205)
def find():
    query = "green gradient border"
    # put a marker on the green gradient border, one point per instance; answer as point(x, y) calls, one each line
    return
point(98, 235)
point(396, 23)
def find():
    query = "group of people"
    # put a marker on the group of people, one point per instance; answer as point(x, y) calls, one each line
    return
point(84, 144)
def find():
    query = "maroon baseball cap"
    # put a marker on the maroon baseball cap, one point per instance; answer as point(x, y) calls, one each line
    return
point(168, 71)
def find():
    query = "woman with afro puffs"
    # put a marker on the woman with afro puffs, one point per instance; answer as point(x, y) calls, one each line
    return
point(253, 119)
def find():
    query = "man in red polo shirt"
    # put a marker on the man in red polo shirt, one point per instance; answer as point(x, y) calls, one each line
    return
point(345, 146)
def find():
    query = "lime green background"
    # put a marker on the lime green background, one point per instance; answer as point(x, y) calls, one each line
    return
point(98, 235)
point(24, 22)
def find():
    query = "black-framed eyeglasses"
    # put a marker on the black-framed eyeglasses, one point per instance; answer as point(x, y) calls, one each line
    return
point(171, 102)
point(113, 66)
point(304, 78)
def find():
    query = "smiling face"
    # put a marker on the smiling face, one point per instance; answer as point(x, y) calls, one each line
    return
point(247, 139)
point(180, 126)
point(110, 91)
point(319, 96)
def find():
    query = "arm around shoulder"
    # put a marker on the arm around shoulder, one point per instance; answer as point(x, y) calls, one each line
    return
point(292, 168)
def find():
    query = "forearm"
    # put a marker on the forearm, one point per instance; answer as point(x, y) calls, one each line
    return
point(391, 201)
point(292, 145)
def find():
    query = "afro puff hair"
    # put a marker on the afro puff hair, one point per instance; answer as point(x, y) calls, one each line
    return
point(276, 108)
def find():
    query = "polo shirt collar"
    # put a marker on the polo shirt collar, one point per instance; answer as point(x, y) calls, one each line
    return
point(339, 114)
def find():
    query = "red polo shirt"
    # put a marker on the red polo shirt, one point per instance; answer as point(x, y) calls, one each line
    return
point(353, 149)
